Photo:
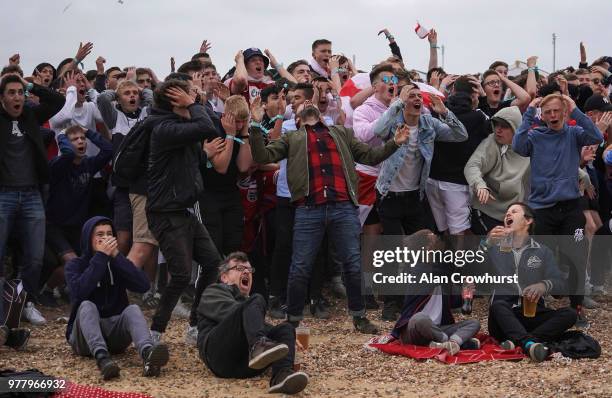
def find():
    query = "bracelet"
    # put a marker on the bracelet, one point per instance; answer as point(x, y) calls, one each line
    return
point(29, 87)
point(277, 117)
point(390, 37)
point(231, 137)
point(244, 137)
point(209, 165)
point(434, 46)
point(259, 126)
point(532, 69)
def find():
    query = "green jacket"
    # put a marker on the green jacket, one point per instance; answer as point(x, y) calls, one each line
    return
point(293, 146)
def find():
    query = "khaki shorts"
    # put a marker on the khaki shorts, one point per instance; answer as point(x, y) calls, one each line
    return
point(140, 225)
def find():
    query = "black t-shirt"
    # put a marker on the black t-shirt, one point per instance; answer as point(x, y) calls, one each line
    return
point(217, 182)
point(17, 165)
point(483, 105)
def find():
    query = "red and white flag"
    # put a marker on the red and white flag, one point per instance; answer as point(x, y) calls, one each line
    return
point(355, 84)
point(421, 31)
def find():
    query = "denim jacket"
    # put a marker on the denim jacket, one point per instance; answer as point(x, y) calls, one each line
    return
point(429, 129)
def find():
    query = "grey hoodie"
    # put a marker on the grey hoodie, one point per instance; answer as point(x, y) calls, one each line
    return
point(499, 169)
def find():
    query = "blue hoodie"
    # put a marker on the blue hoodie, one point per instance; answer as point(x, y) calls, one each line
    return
point(101, 279)
point(555, 156)
point(70, 187)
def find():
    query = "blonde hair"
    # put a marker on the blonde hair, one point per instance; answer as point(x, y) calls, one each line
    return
point(552, 97)
point(124, 84)
point(74, 129)
point(237, 106)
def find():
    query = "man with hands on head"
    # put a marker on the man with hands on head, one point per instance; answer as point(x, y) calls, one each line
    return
point(323, 184)
point(101, 320)
point(538, 275)
point(492, 87)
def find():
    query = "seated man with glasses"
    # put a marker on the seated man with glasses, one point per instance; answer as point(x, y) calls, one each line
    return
point(491, 93)
point(233, 339)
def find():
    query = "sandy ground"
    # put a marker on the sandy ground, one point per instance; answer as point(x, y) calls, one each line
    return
point(337, 364)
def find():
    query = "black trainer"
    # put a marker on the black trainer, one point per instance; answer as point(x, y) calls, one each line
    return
point(4, 333)
point(471, 344)
point(538, 352)
point(153, 359)
point(18, 338)
point(370, 302)
point(287, 381)
point(265, 352)
point(277, 310)
point(318, 309)
point(363, 325)
point(108, 368)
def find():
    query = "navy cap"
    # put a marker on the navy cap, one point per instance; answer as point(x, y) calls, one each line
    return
point(253, 51)
point(597, 103)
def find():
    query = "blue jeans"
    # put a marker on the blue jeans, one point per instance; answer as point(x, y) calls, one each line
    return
point(23, 215)
point(341, 222)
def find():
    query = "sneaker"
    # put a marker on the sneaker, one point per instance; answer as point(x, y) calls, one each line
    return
point(154, 358)
point(155, 336)
point(450, 346)
point(181, 311)
point(363, 325)
point(589, 303)
point(265, 352)
point(32, 315)
point(47, 299)
point(507, 345)
point(389, 312)
point(318, 309)
point(191, 336)
point(337, 287)
point(18, 338)
point(150, 299)
point(286, 381)
point(471, 344)
point(370, 302)
point(581, 321)
point(538, 352)
point(4, 333)
point(277, 309)
point(108, 368)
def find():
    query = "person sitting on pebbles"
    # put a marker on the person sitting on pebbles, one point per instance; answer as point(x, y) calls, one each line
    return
point(426, 318)
point(233, 339)
point(101, 320)
point(538, 275)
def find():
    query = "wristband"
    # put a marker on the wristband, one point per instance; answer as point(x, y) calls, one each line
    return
point(231, 137)
point(209, 165)
point(29, 87)
point(78, 62)
point(259, 126)
point(276, 66)
point(434, 46)
point(532, 69)
point(390, 37)
point(277, 117)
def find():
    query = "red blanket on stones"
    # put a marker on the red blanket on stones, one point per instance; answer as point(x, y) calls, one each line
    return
point(82, 391)
point(489, 351)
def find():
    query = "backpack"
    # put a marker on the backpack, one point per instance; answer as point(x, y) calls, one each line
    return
point(575, 344)
point(130, 160)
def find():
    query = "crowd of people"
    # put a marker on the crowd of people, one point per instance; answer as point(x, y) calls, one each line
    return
point(178, 189)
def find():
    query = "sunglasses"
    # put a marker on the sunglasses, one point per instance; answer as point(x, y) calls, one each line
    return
point(390, 79)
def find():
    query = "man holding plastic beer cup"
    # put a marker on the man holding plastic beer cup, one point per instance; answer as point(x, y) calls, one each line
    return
point(517, 313)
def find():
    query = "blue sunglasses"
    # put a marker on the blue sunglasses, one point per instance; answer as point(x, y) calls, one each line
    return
point(390, 79)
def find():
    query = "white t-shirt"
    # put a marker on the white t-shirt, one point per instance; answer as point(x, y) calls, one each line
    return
point(409, 175)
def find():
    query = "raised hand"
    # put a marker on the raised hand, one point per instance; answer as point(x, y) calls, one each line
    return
point(433, 37)
point(334, 62)
point(100, 61)
point(272, 58)
point(583, 57)
point(571, 105)
point(438, 106)
point(172, 65)
point(205, 46)
point(535, 102)
point(70, 79)
point(179, 98)
point(532, 61)
point(239, 57)
point(131, 73)
point(221, 91)
point(434, 79)
point(562, 82)
point(604, 121)
point(14, 59)
point(83, 51)
point(257, 110)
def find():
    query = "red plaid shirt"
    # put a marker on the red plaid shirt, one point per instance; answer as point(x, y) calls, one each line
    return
point(326, 181)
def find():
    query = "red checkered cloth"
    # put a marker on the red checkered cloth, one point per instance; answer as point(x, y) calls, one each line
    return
point(82, 391)
point(327, 182)
point(489, 351)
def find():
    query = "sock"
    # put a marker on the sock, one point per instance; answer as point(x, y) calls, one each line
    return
point(528, 344)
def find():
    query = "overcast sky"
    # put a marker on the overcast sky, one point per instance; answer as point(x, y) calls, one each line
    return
point(148, 32)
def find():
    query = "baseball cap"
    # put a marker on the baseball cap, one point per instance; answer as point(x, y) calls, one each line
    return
point(253, 51)
point(597, 103)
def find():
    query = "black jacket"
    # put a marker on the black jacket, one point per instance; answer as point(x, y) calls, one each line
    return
point(29, 123)
point(174, 180)
point(449, 158)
